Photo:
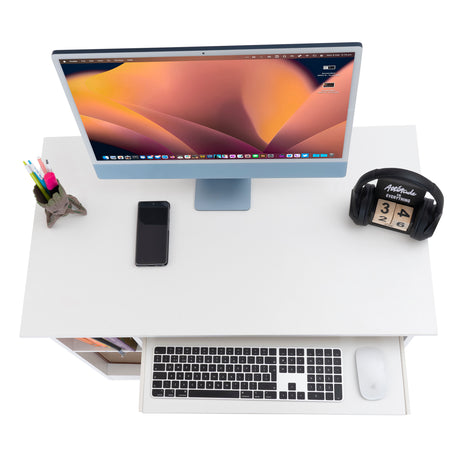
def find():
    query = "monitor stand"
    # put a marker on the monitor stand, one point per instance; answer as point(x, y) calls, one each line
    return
point(223, 194)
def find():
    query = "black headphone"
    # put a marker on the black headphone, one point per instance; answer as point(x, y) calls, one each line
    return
point(426, 218)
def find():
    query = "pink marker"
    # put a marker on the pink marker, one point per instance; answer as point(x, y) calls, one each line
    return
point(50, 181)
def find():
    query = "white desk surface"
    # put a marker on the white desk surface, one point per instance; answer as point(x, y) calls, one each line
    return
point(294, 264)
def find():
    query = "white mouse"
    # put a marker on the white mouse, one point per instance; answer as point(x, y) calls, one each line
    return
point(371, 373)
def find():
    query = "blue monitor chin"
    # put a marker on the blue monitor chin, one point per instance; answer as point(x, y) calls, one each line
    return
point(220, 115)
point(221, 187)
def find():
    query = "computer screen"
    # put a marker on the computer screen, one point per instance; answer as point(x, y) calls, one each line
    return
point(214, 113)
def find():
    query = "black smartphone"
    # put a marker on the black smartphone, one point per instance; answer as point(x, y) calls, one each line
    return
point(152, 241)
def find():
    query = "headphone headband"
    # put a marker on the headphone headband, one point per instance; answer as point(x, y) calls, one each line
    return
point(404, 175)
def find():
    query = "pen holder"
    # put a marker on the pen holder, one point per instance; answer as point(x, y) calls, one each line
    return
point(59, 205)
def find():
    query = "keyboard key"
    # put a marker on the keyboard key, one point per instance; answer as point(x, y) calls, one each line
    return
point(160, 350)
point(213, 394)
point(338, 392)
point(270, 395)
point(181, 393)
point(157, 392)
point(316, 396)
point(266, 386)
point(246, 394)
point(159, 376)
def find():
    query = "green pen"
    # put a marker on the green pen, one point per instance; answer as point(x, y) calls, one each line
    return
point(39, 185)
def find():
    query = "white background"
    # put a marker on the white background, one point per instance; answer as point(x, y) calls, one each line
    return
point(57, 407)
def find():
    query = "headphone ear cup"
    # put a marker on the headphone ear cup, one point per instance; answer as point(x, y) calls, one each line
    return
point(366, 201)
point(423, 219)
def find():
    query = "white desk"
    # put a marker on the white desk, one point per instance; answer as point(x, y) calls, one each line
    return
point(294, 265)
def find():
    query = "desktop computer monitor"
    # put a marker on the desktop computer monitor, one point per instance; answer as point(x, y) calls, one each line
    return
point(221, 115)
